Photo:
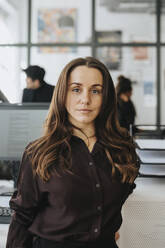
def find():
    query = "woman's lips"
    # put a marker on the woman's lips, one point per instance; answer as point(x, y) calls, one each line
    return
point(84, 110)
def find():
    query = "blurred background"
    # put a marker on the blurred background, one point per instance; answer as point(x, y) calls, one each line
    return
point(127, 35)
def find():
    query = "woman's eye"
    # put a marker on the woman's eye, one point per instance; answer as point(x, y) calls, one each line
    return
point(95, 91)
point(76, 90)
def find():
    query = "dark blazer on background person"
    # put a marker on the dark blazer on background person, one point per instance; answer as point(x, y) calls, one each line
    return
point(42, 94)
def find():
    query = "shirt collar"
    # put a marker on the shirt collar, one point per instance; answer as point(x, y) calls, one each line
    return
point(97, 146)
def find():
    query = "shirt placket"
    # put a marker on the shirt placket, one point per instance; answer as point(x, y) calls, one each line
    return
point(96, 225)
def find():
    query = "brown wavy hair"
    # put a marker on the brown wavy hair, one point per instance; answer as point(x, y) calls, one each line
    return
point(52, 152)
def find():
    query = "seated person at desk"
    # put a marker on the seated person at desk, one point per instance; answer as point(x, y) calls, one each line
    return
point(126, 109)
point(37, 89)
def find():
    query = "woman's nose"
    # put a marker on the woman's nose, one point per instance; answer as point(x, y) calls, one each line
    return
point(85, 97)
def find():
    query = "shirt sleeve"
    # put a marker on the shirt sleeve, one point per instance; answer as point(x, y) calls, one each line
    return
point(24, 202)
point(129, 190)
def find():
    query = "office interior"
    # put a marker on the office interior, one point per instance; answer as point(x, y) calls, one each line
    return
point(128, 36)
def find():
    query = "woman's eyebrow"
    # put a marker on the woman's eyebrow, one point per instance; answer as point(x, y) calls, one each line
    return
point(94, 85)
point(75, 83)
point(79, 84)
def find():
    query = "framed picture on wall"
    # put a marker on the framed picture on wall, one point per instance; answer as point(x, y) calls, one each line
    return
point(109, 55)
point(140, 53)
point(149, 94)
point(109, 36)
point(56, 26)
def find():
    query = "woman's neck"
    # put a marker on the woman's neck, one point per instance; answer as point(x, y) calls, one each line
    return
point(88, 136)
point(85, 133)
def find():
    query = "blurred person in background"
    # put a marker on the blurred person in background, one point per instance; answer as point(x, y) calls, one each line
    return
point(125, 106)
point(37, 89)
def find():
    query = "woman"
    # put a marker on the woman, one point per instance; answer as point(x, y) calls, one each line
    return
point(126, 109)
point(74, 180)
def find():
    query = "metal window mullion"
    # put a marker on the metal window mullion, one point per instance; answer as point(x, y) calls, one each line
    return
point(93, 28)
point(153, 44)
point(60, 44)
point(158, 69)
point(29, 32)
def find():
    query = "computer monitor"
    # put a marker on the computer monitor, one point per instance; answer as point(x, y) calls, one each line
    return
point(19, 125)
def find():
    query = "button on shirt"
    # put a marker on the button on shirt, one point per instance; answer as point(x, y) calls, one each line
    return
point(82, 206)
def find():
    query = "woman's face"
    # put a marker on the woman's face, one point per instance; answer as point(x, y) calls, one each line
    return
point(84, 95)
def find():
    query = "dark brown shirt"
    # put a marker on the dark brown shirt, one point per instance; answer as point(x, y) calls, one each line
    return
point(83, 206)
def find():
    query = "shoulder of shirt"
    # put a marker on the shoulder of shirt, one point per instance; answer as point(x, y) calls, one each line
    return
point(29, 144)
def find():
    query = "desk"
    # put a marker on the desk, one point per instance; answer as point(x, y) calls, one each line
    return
point(3, 227)
point(144, 215)
point(5, 186)
point(3, 234)
point(152, 157)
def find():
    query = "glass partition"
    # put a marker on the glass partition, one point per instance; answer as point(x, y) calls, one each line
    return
point(139, 65)
point(162, 20)
point(12, 60)
point(125, 21)
point(163, 85)
point(53, 59)
point(61, 21)
point(13, 21)
point(56, 24)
